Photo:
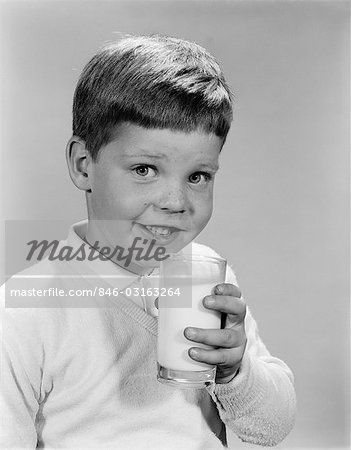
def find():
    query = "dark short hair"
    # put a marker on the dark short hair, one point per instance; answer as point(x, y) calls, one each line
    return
point(154, 82)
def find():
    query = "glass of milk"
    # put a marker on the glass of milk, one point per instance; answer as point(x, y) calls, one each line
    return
point(185, 279)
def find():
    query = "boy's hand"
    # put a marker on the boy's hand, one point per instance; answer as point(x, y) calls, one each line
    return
point(229, 342)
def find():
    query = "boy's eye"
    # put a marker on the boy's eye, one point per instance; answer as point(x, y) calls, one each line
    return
point(198, 177)
point(144, 171)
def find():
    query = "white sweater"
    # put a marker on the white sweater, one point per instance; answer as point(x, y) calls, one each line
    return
point(77, 377)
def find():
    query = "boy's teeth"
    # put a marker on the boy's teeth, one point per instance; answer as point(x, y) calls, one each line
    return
point(162, 231)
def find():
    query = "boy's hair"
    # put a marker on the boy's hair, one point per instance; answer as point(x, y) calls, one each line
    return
point(154, 82)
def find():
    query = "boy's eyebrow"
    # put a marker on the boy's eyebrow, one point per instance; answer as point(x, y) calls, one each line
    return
point(145, 155)
point(209, 166)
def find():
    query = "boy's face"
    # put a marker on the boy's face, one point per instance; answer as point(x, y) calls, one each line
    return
point(152, 184)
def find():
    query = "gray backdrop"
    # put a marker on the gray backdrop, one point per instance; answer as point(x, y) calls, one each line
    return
point(282, 195)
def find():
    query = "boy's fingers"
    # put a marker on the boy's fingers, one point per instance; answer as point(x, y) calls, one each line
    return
point(220, 289)
point(223, 356)
point(226, 304)
point(227, 289)
point(225, 338)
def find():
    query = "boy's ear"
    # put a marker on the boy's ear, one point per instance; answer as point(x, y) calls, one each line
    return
point(79, 160)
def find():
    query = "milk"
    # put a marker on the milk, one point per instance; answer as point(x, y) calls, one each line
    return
point(173, 346)
point(193, 277)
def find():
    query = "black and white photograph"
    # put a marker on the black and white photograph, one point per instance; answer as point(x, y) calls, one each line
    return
point(175, 224)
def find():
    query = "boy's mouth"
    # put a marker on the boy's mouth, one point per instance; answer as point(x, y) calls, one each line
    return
point(160, 232)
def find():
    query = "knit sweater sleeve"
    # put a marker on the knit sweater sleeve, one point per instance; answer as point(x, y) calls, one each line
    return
point(259, 404)
point(21, 368)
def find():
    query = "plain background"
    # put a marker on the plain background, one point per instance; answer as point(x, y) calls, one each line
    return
point(282, 196)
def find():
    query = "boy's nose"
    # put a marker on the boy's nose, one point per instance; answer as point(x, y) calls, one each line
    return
point(173, 199)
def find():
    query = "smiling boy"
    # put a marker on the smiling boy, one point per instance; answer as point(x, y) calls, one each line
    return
point(158, 183)
point(150, 117)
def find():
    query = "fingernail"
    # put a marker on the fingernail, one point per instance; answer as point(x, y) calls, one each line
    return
point(218, 289)
point(189, 333)
point(194, 353)
point(209, 301)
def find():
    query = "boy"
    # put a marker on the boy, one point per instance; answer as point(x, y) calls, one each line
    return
point(150, 117)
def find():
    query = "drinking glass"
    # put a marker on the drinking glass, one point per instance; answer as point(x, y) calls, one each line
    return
point(184, 282)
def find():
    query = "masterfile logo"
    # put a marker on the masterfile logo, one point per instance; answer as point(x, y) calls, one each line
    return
point(44, 269)
point(140, 250)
